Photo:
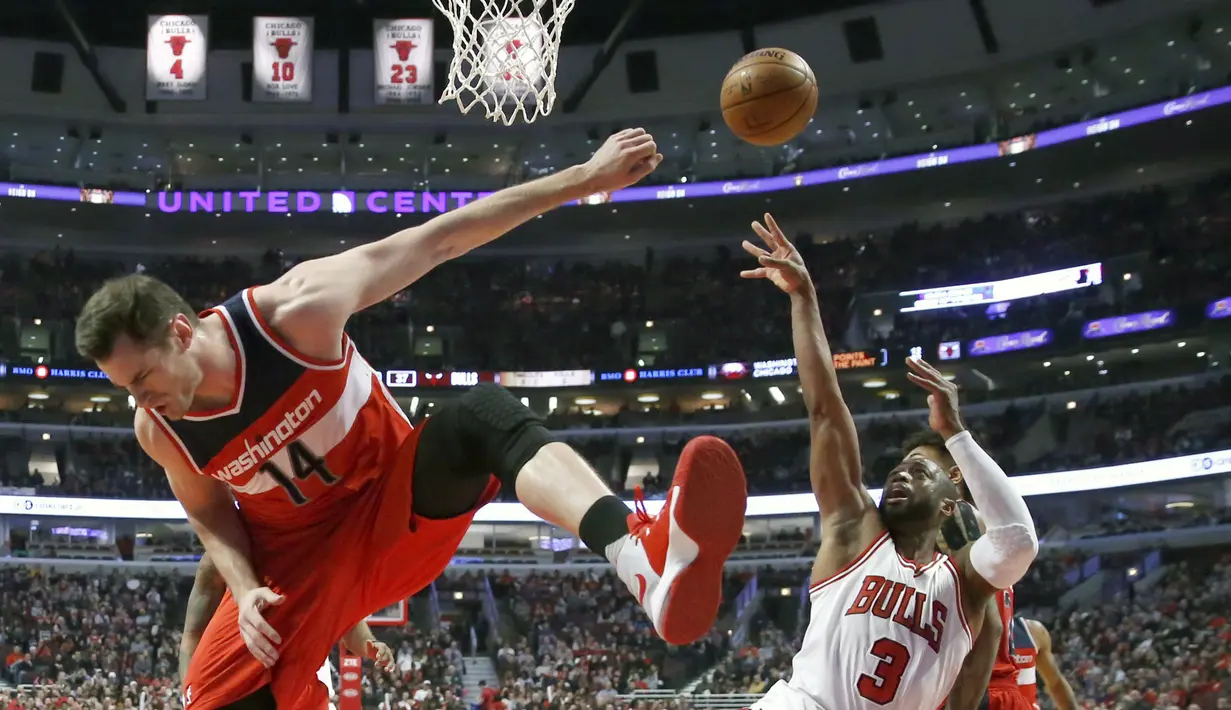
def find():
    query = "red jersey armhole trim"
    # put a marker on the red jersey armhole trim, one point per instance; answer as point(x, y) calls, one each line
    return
point(240, 364)
point(281, 344)
point(174, 439)
point(961, 598)
point(852, 565)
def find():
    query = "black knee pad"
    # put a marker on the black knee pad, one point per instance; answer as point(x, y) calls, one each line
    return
point(505, 431)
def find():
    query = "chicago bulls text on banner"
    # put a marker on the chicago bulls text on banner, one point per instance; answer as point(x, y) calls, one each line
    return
point(403, 53)
point(175, 57)
point(282, 59)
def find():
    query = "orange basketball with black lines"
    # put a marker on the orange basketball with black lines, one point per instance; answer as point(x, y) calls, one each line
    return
point(769, 96)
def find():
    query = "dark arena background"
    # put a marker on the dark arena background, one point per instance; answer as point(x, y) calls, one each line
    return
point(1035, 196)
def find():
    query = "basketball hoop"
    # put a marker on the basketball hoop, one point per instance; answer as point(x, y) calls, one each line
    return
point(504, 56)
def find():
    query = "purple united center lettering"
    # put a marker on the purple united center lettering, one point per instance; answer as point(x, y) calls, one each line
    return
point(256, 452)
point(306, 201)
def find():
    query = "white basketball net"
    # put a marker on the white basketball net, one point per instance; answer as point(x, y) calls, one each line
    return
point(504, 55)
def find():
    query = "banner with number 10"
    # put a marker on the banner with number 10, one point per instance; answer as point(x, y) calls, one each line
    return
point(281, 59)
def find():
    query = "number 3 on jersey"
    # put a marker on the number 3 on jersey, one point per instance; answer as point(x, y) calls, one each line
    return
point(304, 463)
point(881, 687)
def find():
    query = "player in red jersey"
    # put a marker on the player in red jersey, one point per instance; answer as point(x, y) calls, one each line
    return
point(1039, 657)
point(343, 507)
point(208, 588)
point(1002, 690)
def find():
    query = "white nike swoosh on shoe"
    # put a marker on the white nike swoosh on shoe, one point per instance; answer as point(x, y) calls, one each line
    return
point(681, 551)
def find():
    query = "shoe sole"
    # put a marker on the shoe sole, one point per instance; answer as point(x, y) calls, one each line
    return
point(707, 521)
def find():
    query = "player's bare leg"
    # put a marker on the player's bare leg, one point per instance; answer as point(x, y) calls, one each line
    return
point(671, 562)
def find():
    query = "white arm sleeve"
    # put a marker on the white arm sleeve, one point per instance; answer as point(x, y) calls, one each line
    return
point(1004, 553)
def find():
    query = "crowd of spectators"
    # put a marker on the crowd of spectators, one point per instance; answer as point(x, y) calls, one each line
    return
point(1166, 647)
point(428, 674)
point(581, 637)
point(576, 639)
point(535, 315)
point(110, 635)
point(518, 313)
point(1112, 427)
point(1108, 429)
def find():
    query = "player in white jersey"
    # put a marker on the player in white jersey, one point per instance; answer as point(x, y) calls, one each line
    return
point(892, 619)
point(325, 676)
point(208, 588)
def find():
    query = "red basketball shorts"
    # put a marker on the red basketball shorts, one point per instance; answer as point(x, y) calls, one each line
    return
point(333, 574)
point(1007, 698)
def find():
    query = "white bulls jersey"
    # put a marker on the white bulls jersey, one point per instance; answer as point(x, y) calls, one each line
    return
point(884, 634)
point(325, 676)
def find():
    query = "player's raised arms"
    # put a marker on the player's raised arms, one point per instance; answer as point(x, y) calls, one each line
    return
point(835, 467)
point(311, 303)
point(1003, 554)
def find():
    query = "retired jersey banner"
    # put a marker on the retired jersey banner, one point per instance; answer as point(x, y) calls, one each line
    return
point(404, 61)
point(282, 59)
point(175, 57)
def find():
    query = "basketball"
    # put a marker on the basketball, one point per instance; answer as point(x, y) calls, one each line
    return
point(769, 96)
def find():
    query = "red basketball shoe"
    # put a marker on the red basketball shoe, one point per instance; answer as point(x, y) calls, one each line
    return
point(673, 561)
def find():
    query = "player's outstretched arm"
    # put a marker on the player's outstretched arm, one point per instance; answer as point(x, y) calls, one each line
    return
point(835, 468)
point(329, 290)
point(1057, 686)
point(208, 588)
point(971, 684)
point(360, 641)
point(212, 513)
point(1003, 555)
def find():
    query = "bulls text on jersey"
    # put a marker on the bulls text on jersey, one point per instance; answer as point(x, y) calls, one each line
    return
point(884, 633)
point(906, 606)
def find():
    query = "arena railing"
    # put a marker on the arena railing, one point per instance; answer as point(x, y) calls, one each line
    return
point(1174, 468)
point(714, 701)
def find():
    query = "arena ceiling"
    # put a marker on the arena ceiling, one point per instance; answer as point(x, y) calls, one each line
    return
point(348, 22)
point(1146, 64)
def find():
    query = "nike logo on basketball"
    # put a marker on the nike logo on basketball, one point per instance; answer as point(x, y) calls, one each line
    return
point(641, 589)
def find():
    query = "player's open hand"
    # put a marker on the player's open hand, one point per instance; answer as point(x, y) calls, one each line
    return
point(943, 414)
point(625, 158)
point(781, 264)
point(259, 636)
point(382, 655)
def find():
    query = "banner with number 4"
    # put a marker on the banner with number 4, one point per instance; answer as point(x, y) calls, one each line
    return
point(404, 61)
point(175, 57)
point(282, 59)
